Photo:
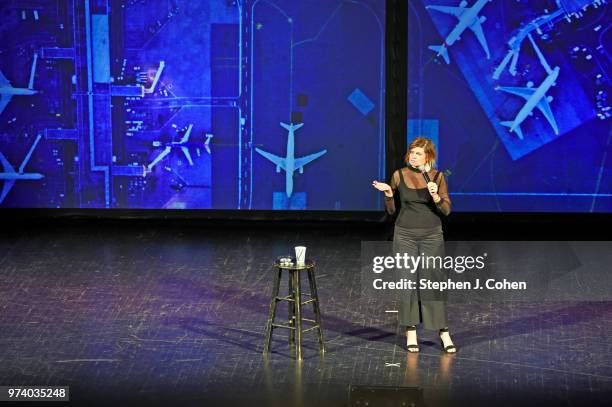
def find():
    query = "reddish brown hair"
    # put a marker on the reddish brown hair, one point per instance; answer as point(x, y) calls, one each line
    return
point(427, 145)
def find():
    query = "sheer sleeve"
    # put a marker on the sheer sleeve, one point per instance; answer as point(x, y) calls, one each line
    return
point(389, 200)
point(444, 205)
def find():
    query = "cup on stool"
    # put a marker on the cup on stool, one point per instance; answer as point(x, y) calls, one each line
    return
point(300, 255)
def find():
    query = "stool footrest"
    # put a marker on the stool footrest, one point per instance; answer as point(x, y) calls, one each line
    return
point(312, 328)
point(287, 326)
point(290, 298)
point(283, 326)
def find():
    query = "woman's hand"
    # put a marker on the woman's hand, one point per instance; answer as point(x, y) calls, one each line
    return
point(381, 186)
point(433, 191)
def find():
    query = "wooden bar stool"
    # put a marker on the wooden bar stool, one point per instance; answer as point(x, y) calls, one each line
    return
point(294, 299)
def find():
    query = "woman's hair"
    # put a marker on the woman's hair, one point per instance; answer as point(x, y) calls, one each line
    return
point(427, 145)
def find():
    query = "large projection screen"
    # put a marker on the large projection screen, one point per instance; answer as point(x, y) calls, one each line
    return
point(517, 96)
point(179, 104)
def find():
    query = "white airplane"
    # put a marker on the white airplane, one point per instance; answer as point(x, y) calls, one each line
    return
point(516, 41)
point(534, 98)
point(10, 176)
point(468, 18)
point(182, 144)
point(7, 91)
point(289, 164)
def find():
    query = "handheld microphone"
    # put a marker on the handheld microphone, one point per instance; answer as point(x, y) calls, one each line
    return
point(424, 170)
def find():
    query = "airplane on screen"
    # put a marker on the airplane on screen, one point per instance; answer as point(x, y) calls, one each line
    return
point(516, 41)
point(289, 163)
point(7, 91)
point(468, 18)
point(182, 144)
point(535, 97)
point(10, 176)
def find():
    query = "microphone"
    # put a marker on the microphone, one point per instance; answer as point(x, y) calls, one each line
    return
point(424, 170)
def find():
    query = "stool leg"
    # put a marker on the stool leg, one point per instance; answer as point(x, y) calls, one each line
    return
point(272, 313)
point(315, 305)
point(291, 307)
point(298, 315)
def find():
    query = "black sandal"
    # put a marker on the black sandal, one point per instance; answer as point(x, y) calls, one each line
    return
point(413, 346)
point(446, 349)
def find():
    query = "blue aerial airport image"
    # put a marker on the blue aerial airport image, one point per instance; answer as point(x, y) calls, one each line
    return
point(279, 104)
point(177, 104)
point(517, 94)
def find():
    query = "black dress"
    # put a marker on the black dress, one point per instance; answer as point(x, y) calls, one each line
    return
point(418, 231)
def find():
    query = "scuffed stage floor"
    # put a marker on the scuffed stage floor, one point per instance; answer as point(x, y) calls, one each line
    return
point(175, 316)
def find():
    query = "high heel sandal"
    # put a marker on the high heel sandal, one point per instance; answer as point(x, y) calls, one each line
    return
point(412, 347)
point(446, 349)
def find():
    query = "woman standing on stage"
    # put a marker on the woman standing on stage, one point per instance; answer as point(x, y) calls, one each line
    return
point(418, 230)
